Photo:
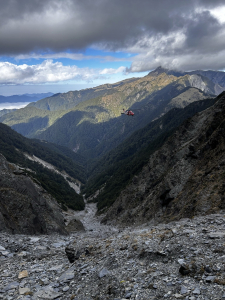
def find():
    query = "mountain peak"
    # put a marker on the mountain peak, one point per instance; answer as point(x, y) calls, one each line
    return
point(161, 70)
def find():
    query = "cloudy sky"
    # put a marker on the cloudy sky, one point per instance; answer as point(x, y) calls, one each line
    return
point(57, 46)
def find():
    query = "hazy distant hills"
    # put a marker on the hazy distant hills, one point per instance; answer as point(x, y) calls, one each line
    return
point(90, 121)
point(13, 101)
point(24, 98)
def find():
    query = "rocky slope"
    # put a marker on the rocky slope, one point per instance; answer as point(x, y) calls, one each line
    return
point(184, 178)
point(179, 260)
point(214, 79)
point(25, 207)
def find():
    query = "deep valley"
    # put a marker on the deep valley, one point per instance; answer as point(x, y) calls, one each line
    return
point(97, 204)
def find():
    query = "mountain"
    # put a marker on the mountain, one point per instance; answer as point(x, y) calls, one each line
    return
point(24, 98)
point(216, 77)
point(65, 101)
point(6, 111)
point(95, 126)
point(182, 178)
point(56, 172)
point(25, 207)
point(111, 173)
point(30, 120)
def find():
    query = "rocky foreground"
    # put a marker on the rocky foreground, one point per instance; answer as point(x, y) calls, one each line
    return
point(180, 260)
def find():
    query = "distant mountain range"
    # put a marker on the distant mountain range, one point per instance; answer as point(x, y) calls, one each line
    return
point(15, 101)
point(90, 121)
point(24, 98)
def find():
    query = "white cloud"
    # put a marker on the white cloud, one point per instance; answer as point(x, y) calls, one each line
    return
point(17, 105)
point(47, 72)
point(171, 33)
point(219, 13)
point(113, 71)
point(185, 49)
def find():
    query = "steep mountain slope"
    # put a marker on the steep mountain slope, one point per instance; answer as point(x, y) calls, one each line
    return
point(185, 177)
point(65, 101)
point(20, 150)
point(6, 111)
point(216, 79)
point(105, 102)
point(30, 120)
point(94, 139)
point(25, 207)
point(114, 170)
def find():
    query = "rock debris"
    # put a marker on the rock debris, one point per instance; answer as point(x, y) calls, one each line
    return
point(179, 260)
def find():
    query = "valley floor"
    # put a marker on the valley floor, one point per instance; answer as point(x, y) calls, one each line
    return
point(179, 260)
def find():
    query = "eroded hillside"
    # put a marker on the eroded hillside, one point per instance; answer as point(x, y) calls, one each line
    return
point(25, 207)
point(185, 177)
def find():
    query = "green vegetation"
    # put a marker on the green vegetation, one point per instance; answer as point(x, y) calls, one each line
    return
point(112, 147)
point(13, 146)
point(117, 168)
point(31, 120)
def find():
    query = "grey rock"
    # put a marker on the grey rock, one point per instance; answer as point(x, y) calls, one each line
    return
point(196, 291)
point(47, 293)
point(12, 285)
point(66, 288)
point(210, 278)
point(216, 235)
point(67, 276)
point(124, 273)
point(183, 290)
point(75, 226)
point(103, 272)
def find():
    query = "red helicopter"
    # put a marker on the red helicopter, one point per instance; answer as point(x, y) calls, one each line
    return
point(127, 112)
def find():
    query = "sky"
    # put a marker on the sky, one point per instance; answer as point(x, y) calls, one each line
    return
point(57, 46)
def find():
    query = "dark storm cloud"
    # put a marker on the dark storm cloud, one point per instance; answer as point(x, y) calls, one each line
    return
point(156, 29)
point(59, 25)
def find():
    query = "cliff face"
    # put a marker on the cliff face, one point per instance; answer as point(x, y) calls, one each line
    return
point(25, 207)
point(183, 178)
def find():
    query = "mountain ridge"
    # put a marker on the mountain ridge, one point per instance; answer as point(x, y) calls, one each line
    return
point(146, 93)
point(183, 178)
point(21, 151)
